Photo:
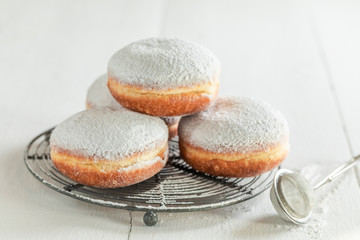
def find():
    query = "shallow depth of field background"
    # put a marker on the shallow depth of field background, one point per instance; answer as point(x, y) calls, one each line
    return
point(301, 56)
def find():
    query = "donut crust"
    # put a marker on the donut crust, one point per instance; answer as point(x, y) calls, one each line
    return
point(110, 174)
point(173, 102)
point(238, 165)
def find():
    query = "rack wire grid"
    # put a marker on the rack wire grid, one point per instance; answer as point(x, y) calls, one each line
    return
point(176, 188)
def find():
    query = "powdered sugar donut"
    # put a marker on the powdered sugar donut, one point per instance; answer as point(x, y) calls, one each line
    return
point(98, 95)
point(235, 137)
point(164, 77)
point(107, 148)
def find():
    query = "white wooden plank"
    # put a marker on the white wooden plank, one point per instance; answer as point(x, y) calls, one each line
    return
point(338, 28)
point(338, 25)
point(341, 208)
point(267, 50)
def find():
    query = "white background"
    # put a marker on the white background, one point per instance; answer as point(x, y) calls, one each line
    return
point(302, 56)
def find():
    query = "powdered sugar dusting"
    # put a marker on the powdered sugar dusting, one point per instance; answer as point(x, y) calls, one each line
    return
point(235, 124)
point(98, 94)
point(163, 63)
point(103, 133)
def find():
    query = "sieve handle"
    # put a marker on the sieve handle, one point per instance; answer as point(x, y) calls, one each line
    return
point(343, 168)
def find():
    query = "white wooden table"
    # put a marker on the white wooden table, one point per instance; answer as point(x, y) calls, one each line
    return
point(302, 56)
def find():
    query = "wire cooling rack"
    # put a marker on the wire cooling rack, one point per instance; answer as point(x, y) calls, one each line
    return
point(176, 188)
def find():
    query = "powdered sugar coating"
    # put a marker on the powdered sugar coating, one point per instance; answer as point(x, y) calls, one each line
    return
point(106, 134)
point(235, 124)
point(163, 63)
point(98, 94)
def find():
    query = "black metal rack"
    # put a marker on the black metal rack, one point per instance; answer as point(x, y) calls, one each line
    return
point(176, 188)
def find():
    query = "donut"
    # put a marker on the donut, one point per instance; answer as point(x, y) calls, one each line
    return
point(236, 137)
point(98, 95)
point(107, 148)
point(164, 77)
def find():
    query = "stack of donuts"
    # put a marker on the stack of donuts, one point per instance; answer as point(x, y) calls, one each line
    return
point(154, 90)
